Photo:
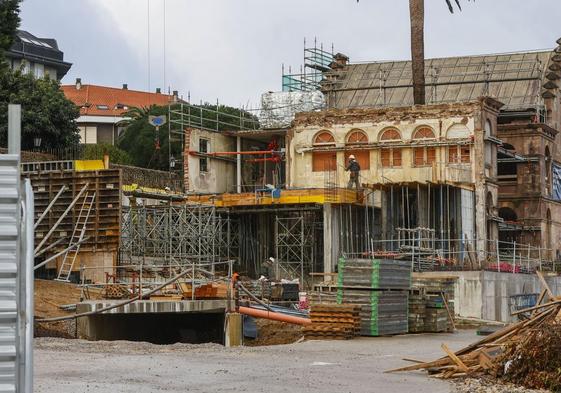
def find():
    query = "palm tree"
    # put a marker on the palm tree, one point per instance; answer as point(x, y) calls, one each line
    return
point(417, 17)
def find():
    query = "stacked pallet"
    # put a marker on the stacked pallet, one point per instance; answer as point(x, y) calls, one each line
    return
point(212, 290)
point(258, 288)
point(434, 297)
point(417, 310)
point(333, 321)
point(379, 286)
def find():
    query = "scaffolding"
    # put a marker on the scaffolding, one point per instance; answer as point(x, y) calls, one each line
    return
point(294, 247)
point(164, 238)
point(316, 62)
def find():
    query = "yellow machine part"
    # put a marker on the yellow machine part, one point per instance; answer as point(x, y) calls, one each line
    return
point(88, 165)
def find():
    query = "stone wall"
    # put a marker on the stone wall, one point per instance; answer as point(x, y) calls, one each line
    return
point(149, 177)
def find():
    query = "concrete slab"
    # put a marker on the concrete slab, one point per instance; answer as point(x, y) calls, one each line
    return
point(152, 306)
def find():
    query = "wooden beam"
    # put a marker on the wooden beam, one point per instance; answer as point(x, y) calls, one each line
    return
point(456, 359)
point(537, 307)
point(545, 286)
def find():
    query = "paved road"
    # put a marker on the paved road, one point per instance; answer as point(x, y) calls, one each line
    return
point(315, 366)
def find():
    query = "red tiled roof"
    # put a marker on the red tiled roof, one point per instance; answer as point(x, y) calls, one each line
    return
point(93, 99)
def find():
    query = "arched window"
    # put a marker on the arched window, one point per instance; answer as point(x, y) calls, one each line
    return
point(357, 137)
point(507, 214)
point(458, 153)
point(323, 157)
point(424, 155)
point(488, 144)
point(390, 156)
point(356, 141)
point(547, 177)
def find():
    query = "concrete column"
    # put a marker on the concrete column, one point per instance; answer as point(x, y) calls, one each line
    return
point(14, 129)
point(328, 256)
point(238, 165)
point(233, 332)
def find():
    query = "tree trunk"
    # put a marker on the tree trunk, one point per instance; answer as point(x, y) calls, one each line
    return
point(417, 15)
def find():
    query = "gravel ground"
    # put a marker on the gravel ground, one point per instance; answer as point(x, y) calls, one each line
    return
point(473, 385)
point(357, 365)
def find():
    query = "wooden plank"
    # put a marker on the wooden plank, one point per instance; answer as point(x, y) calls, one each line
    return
point(545, 286)
point(444, 297)
point(537, 307)
point(456, 359)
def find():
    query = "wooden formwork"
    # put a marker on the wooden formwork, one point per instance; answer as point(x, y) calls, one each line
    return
point(103, 226)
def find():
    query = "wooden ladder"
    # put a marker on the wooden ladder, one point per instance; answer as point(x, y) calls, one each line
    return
point(77, 235)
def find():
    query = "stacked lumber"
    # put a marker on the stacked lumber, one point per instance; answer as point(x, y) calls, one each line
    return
point(115, 291)
point(529, 348)
point(258, 288)
point(417, 310)
point(380, 287)
point(333, 321)
point(433, 296)
point(212, 290)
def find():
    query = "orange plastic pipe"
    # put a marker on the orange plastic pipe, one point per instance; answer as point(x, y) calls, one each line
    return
point(233, 153)
point(275, 316)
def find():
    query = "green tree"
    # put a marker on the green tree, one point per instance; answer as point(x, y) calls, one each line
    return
point(97, 151)
point(46, 112)
point(9, 23)
point(139, 139)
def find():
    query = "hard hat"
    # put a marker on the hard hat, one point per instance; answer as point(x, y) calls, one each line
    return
point(351, 157)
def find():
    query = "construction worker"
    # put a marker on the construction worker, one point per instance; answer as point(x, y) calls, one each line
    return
point(354, 168)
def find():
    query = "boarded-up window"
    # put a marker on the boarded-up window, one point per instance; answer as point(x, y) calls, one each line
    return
point(431, 155)
point(425, 155)
point(362, 156)
point(453, 154)
point(396, 155)
point(459, 154)
point(419, 156)
point(385, 157)
point(355, 140)
point(390, 157)
point(322, 158)
point(465, 154)
point(324, 161)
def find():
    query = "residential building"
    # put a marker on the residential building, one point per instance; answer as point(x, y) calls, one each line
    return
point(38, 56)
point(103, 108)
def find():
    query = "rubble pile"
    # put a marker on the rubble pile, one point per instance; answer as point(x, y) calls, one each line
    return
point(535, 361)
point(527, 352)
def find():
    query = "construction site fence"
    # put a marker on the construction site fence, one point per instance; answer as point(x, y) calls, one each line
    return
point(433, 254)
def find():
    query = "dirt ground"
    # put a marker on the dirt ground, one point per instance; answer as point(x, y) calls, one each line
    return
point(49, 295)
point(275, 333)
point(312, 366)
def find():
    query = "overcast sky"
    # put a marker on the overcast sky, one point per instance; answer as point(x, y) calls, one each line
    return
point(233, 49)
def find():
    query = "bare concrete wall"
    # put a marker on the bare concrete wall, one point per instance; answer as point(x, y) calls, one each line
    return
point(220, 176)
point(486, 295)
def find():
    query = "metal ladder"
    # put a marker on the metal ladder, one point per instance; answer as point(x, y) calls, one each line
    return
point(81, 224)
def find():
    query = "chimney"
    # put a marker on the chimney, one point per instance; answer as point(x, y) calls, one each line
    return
point(175, 95)
point(78, 83)
point(158, 90)
point(125, 86)
point(341, 59)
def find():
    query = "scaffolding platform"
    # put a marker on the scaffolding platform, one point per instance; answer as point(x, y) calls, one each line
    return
point(286, 197)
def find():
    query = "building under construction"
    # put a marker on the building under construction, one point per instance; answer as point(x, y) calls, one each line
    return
point(471, 181)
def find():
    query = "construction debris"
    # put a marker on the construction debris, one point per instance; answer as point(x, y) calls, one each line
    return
point(333, 321)
point(527, 352)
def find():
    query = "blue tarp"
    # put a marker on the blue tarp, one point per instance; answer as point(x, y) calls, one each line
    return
point(556, 194)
